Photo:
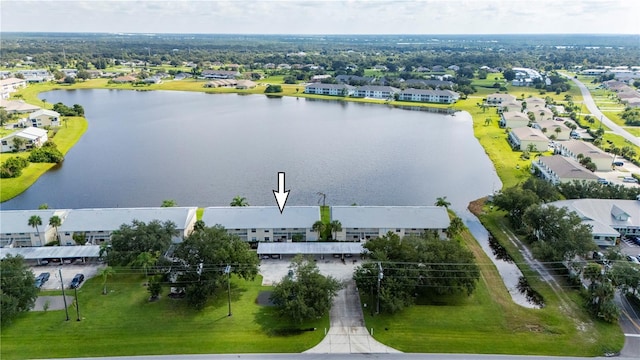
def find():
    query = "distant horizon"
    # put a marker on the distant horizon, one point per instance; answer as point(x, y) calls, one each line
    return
point(313, 17)
point(318, 34)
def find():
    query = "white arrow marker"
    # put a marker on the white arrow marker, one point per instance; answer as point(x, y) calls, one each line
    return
point(281, 195)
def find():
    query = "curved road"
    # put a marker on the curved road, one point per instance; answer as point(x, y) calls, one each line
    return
point(593, 108)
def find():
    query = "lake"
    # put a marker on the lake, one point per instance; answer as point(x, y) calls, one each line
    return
point(200, 149)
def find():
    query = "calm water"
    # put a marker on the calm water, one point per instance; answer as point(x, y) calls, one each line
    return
point(202, 150)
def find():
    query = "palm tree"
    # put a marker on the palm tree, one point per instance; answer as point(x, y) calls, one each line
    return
point(455, 227)
point(442, 201)
point(34, 221)
point(319, 227)
point(558, 131)
point(335, 226)
point(44, 103)
point(105, 272)
point(531, 147)
point(487, 121)
point(55, 221)
point(239, 201)
point(615, 151)
point(146, 260)
point(168, 203)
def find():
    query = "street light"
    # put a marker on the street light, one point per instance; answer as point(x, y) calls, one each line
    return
point(227, 270)
point(380, 276)
point(64, 298)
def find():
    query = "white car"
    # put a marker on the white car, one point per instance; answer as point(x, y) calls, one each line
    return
point(630, 179)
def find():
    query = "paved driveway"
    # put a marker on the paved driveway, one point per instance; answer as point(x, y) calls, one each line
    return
point(273, 270)
point(68, 272)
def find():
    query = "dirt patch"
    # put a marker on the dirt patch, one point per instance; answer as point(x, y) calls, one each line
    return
point(51, 303)
point(476, 206)
point(264, 298)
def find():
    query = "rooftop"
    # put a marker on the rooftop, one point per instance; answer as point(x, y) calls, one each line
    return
point(261, 217)
point(109, 219)
point(391, 217)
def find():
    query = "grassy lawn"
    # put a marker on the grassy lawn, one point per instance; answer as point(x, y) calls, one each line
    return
point(325, 214)
point(125, 323)
point(489, 322)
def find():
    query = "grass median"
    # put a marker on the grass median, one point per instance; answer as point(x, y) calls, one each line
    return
point(125, 323)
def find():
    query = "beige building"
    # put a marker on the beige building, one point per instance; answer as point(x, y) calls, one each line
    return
point(554, 128)
point(573, 149)
point(11, 85)
point(524, 138)
point(559, 169)
point(31, 138)
point(513, 119)
point(43, 118)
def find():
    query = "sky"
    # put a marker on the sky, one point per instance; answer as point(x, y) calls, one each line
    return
point(324, 17)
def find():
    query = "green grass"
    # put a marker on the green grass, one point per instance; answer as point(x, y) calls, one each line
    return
point(199, 213)
point(325, 214)
point(489, 322)
point(124, 323)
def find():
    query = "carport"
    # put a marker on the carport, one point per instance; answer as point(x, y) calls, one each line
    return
point(311, 248)
point(38, 254)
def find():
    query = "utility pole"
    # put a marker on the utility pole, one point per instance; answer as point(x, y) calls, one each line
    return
point(227, 270)
point(380, 276)
point(77, 303)
point(64, 298)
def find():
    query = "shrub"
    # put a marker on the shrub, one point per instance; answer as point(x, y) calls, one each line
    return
point(46, 154)
point(273, 89)
point(12, 167)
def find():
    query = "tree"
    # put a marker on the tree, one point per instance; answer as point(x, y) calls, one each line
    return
point(69, 80)
point(18, 143)
point(515, 201)
point(129, 241)
point(43, 206)
point(55, 221)
point(442, 201)
point(34, 222)
point(4, 116)
point(17, 291)
point(169, 203)
point(455, 227)
point(105, 272)
point(146, 260)
point(335, 226)
point(320, 228)
point(239, 201)
point(273, 89)
point(204, 255)
point(306, 294)
point(509, 74)
point(557, 234)
point(413, 266)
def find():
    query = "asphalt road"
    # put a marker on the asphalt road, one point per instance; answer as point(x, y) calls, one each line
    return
point(593, 108)
point(630, 324)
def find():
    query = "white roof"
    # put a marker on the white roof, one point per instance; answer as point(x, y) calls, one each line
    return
point(42, 252)
point(529, 134)
point(391, 217)
point(16, 221)
point(30, 133)
point(44, 112)
point(310, 248)
point(261, 217)
point(600, 213)
point(110, 219)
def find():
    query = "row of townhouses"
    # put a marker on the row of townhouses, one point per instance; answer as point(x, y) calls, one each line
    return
point(383, 92)
point(252, 224)
point(32, 130)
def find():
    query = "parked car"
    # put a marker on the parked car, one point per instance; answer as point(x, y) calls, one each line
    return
point(630, 179)
point(603, 181)
point(633, 259)
point(77, 280)
point(618, 163)
point(41, 279)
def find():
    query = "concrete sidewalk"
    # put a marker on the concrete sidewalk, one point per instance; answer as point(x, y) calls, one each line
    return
point(347, 334)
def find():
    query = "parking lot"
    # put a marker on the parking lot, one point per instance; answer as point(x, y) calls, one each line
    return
point(68, 271)
point(273, 270)
point(617, 175)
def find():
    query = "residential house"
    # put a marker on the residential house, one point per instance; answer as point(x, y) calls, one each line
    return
point(44, 118)
point(575, 148)
point(454, 67)
point(353, 79)
point(432, 96)
point(265, 223)
point(497, 99)
point(319, 78)
point(329, 89)
point(541, 114)
point(609, 218)
point(361, 223)
point(16, 231)
point(152, 80)
point(526, 138)
point(433, 83)
point(245, 84)
point(17, 106)
point(376, 92)
point(36, 75)
point(510, 106)
point(559, 169)
point(181, 76)
point(554, 128)
point(31, 138)
point(124, 79)
point(97, 225)
point(513, 119)
point(220, 74)
point(221, 83)
point(11, 85)
point(94, 74)
point(438, 69)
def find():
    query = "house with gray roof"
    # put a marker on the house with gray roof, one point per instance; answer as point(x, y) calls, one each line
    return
point(43, 118)
point(513, 119)
point(31, 138)
point(17, 106)
point(375, 92)
point(497, 99)
point(574, 148)
point(220, 74)
point(15, 230)
point(431, 96)
point(360, 223)
point(554, 128)
point(429, 82)
point(329, 89)
point(608, 218)
point(97, 225)
point(524, 138)
point(559, 169)
point(265, 223)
